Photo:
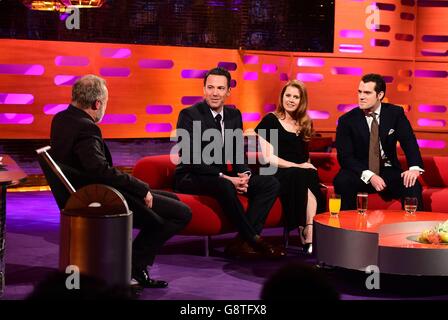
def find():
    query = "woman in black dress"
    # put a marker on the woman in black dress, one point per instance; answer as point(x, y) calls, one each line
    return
point(300, 188)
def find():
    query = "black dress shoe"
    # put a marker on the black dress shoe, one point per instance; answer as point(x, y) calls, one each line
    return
point(143, 279)
point(268, 250)
point(241, 249)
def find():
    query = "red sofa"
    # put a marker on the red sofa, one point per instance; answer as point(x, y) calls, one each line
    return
point(209, 220)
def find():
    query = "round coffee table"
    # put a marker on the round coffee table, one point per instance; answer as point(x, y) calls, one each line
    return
point(384, 238)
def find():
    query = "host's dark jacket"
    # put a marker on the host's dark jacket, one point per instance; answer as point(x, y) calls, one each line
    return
point(232, 120)
point(352, 139)
point(76, 141)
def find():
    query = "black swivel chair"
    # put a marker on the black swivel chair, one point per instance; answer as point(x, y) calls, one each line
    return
point(59, 184)
point(95, 227)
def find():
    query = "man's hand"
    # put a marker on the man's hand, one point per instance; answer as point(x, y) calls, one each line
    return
point(378, 183)
point(410, 177)
point(306, 165)
point(148, 200)
point(244, 182)
point(241, 182)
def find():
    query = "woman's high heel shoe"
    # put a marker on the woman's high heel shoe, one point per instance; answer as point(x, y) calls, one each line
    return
point(307, 247)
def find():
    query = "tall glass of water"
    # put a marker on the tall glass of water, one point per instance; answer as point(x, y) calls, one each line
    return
point(361, 202)
point(410, 205)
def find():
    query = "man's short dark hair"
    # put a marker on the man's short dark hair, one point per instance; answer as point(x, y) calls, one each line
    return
point(380, 84)
point(218, 72)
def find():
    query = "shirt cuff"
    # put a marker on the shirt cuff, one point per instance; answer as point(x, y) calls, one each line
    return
point(366, 175)
point(417, 168)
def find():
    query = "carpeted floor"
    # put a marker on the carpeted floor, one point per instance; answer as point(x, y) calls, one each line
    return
point(32, 254)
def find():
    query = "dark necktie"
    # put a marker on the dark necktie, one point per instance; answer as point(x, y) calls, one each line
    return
point(218, 122)
point(374, 146)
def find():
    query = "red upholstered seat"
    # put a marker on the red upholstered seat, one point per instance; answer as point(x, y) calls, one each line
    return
point(208, 218)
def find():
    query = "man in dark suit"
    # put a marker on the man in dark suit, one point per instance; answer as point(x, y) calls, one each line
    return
point(76, 142)
point(199, 173)
point(366, 142)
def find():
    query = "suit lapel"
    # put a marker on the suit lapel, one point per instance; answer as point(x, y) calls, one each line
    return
point(363, 127)
point(385, 123)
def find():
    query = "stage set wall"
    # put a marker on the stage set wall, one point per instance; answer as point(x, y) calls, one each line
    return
point(149, 85)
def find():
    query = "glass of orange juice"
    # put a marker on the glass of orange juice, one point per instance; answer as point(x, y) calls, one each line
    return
point(334, 204)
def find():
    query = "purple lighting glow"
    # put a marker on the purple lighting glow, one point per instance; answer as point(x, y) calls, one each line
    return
point(310, 62)
point(318, 115)
point(434, 52)
point(119, 119)
point(431, 73)
point(189, 100)
point(16, 118)
point(351, 48)
point(346, 71)
point(71, 61)
point(431, 108)
point(251, 116)
point(65, 80)
point(115, 72)
point(230, 66)
point(431, 144)
point(431, 122)
point(248, 59)
point(119, 53)
point(283, 77)
point(250, 75)
point(159, 109)
point(404, 37)
point(198, 74)
point(346, 107)
point(158, 127)
point(435, 38)
point(269, 68)
point(357, 34)
point(310, 77)
point(269, 107)
point(22, 69)
point(16, 98)
point(407, 16)
point(155, 64)
point(385, 6)
point(54, 108)
point(379, 42)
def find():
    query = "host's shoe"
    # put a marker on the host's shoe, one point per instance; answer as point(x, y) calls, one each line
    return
point(143, 279)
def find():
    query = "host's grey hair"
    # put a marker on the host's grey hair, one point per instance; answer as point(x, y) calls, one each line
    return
point(87, 90)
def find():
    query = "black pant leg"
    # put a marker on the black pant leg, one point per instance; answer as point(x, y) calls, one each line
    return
point(395, 186)
point(175, 216)
point(225, 193)
point(348, 184)
point(262, 192)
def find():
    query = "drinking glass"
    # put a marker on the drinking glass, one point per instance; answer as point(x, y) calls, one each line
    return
point(410, 205)
point(334, 204)
point(361, 202)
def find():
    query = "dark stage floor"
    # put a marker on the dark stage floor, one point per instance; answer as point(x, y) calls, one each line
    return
point(32, 253)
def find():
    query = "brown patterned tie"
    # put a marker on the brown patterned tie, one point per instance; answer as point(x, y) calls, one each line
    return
point(374, 146)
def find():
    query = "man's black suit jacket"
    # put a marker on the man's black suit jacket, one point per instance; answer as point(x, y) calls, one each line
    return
point(232, 120)
point(76, 141)
point(352, 139)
